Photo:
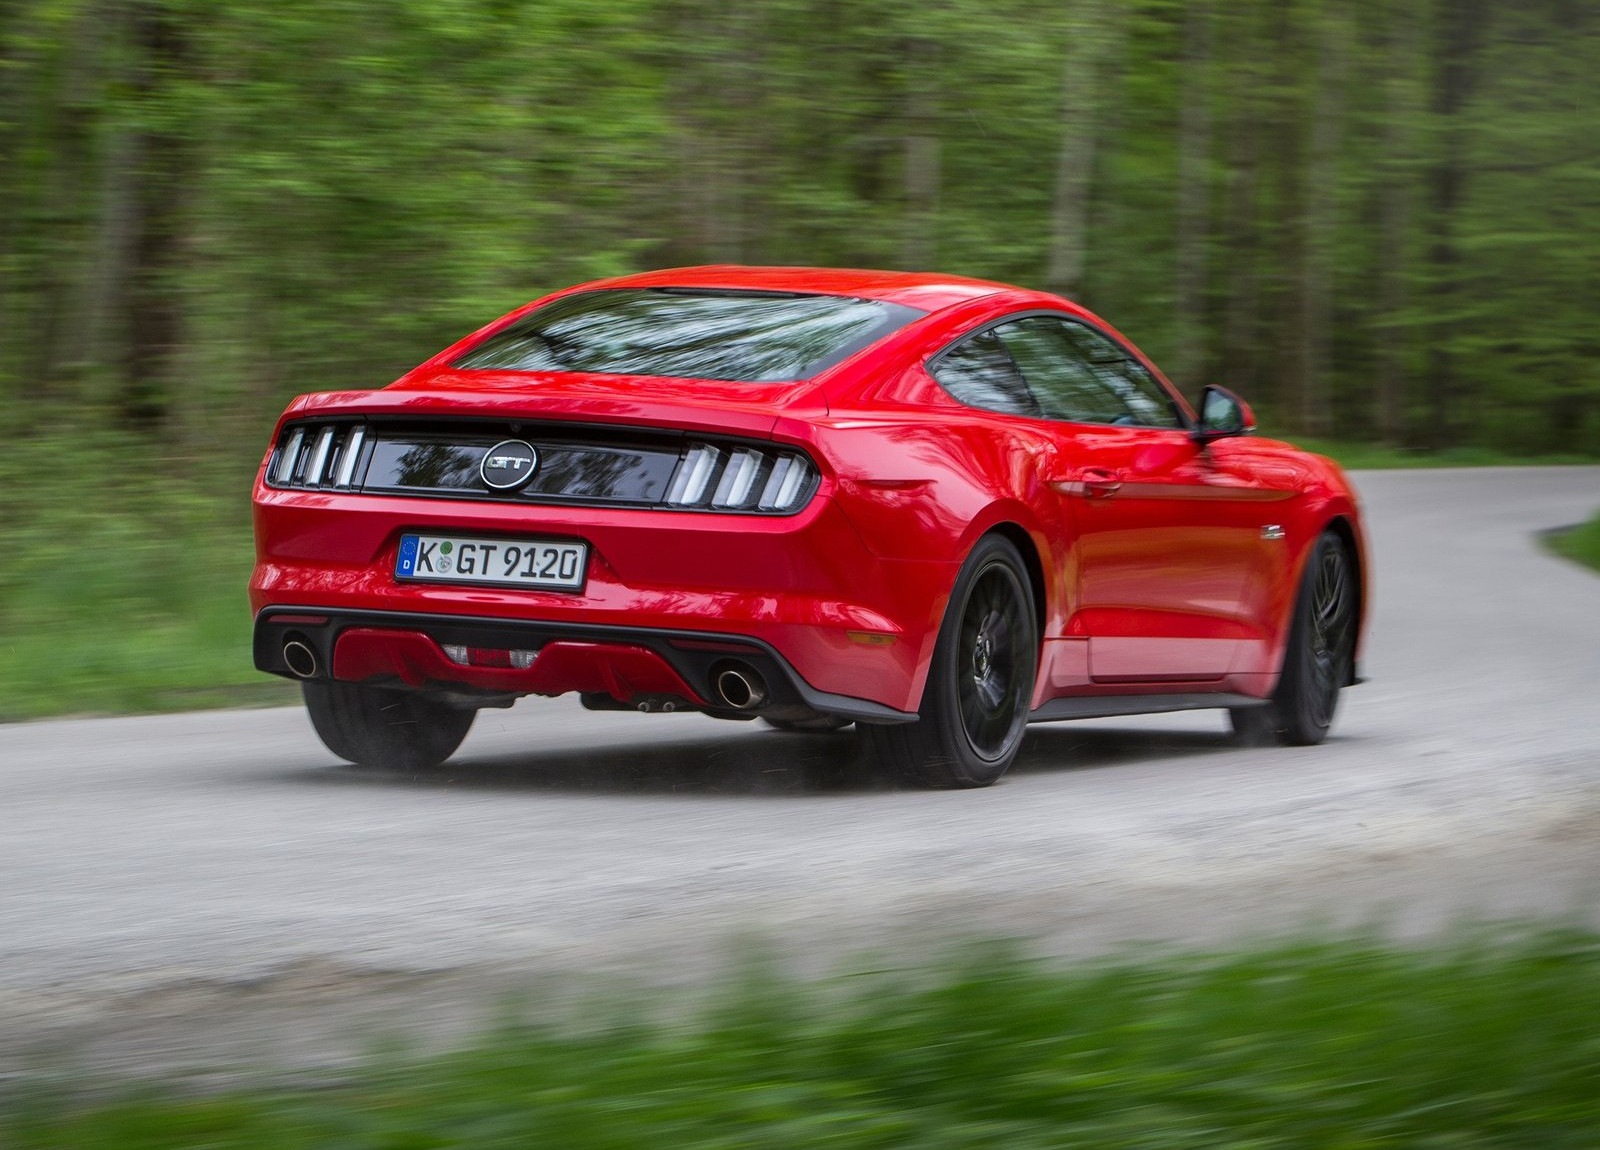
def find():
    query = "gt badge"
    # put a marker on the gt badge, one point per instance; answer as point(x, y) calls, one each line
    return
point(508, 465)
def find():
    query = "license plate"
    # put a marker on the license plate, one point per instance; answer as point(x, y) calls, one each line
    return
point(499, 562)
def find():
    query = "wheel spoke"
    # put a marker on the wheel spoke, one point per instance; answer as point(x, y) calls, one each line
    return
point(1330, 633)
point(990, 681)
point(1329, 604)
point(971, 712)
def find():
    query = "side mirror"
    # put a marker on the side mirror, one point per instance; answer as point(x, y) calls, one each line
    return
point(1223, 414)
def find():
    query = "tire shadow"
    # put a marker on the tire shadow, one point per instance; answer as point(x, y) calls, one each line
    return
point(1069, 746)
point(759, 763)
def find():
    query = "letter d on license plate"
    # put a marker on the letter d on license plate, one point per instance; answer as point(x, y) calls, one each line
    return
point(537, 563)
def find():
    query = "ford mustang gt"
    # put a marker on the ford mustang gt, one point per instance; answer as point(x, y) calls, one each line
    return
point(935, 507)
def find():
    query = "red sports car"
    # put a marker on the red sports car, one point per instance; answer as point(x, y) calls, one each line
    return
point(936, 507)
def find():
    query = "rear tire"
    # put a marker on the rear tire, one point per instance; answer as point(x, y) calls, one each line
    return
point(1317, 660)
point(980, 686)
point(385, 728)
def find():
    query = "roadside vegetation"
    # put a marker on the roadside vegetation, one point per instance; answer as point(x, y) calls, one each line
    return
point(1581, 543)
point(1469, 1045)
point(122, 580)
point(1354, 456)
point(1331, 207)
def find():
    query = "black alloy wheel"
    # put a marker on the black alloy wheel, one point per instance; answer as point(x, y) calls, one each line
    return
point(383, 728)
point(980, 685)
point(1318, 658)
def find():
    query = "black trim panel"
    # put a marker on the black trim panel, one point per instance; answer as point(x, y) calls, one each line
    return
point(1110, 706)
point(694, 665)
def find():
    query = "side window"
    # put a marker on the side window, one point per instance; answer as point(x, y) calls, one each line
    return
point(1077, 374)
point(1140, 392)
point(979, 372)
point(1066, 385)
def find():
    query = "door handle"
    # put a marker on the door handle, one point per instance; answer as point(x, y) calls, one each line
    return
point(1099, 483)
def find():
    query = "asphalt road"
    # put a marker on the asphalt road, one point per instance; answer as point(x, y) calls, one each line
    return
point(214, 888)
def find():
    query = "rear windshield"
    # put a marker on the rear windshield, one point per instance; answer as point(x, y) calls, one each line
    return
point(690, 333)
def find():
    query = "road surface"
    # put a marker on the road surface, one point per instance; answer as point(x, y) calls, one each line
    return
point(214, 889)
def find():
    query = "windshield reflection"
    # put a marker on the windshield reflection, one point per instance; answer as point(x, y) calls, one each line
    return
point(748, 337)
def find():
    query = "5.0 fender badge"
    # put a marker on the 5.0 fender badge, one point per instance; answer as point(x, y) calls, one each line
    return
point(508, 465)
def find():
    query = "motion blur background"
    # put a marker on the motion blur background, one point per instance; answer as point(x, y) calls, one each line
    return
point(1377, 219)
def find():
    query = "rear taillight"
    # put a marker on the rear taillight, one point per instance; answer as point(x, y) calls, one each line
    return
point(726, 475)
point(726, 478)
point(318, 455)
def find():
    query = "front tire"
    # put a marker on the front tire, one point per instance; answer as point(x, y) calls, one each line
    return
point(1317, 661)
point(380, 727)
point(980, 686)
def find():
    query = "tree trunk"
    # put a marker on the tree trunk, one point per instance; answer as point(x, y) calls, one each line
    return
point(56, 223)
point(1314, 311)
point(1194, 197)
point(1090, 34)
point(1394, 219)
point(1284, 226)
point(707, 102)
point(1241, 251)
point(1456, 42)
point(151, 303)
point(919, 240)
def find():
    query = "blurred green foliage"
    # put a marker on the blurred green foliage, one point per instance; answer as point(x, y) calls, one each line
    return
point(1380, 221)
point(122, 580)
point(1470, 1046)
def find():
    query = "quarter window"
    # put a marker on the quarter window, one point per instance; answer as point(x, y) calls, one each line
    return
point(1055, 368)
point(979, 372)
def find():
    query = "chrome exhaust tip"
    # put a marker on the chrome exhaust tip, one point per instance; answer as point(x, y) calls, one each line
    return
point(300, 659)
point(741, 688)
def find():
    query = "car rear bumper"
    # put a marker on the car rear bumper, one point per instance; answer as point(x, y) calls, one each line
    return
point(805, 588)
point(491, 658)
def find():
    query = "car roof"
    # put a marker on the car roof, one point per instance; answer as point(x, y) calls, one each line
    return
point(922, 290)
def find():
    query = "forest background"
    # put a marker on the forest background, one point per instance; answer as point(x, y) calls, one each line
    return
point(1379, 220)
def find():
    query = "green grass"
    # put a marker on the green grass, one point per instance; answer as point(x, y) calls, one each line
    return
point(122, 582)
point(1581, 543)
point(1373, 456)
point(1472, 1046)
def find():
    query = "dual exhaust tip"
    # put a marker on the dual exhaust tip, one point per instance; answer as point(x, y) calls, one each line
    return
point(739, 686)
point(300, 658)
point(735, 685)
